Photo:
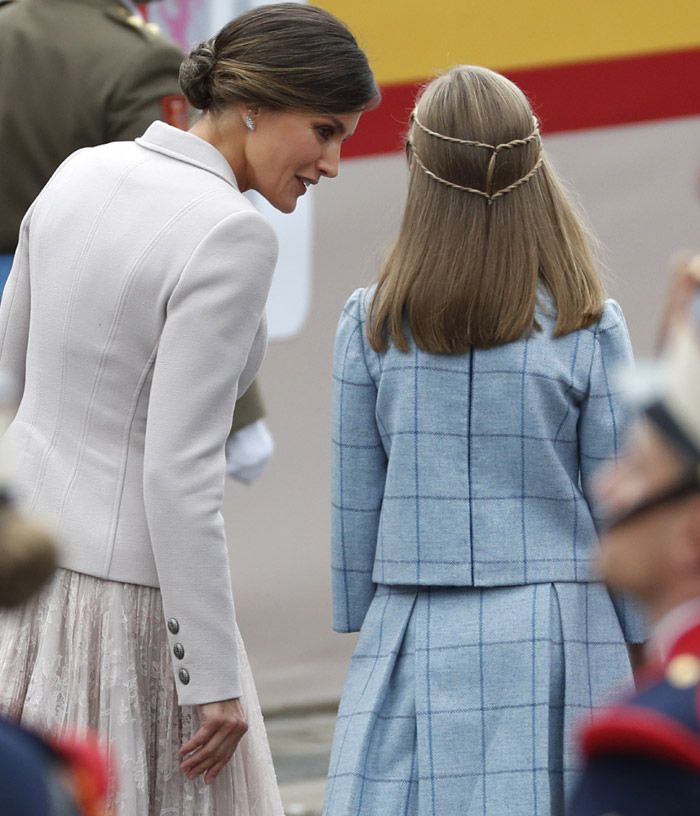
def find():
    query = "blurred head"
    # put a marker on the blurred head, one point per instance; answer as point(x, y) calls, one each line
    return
point(27, 556)
point(486, 221)
point(652, 546)
point(652, 494)
point(281, 87)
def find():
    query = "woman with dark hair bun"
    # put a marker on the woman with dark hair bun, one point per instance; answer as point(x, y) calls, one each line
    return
point(133, 316)
point(293, 94)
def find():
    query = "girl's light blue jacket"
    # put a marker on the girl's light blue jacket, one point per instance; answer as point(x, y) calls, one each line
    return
point(471, 469)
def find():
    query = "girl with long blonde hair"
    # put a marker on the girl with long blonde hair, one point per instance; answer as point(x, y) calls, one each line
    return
point(472, 403)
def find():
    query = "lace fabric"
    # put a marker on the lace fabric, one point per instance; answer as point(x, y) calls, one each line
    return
point(93, 654)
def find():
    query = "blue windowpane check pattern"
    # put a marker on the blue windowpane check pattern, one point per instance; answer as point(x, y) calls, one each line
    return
point(467, 701)
point(472, 469)
point(462, 539)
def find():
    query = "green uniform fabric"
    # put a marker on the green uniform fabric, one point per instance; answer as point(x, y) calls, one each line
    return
point(249, 408)
point(78, 73)
point(73, 73)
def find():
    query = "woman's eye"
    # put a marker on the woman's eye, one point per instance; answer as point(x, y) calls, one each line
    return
point(325, 133)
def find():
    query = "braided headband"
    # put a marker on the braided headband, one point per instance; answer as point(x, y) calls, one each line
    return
point(495, 149)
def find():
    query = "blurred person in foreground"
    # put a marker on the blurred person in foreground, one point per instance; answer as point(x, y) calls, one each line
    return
point(118, 74)
point(643, 753)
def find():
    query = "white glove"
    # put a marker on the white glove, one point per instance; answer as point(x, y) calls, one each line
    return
point(248, 451)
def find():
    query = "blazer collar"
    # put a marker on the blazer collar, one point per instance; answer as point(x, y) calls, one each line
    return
point(185, 146)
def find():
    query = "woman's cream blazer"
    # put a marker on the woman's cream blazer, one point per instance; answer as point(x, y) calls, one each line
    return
point(133, 316)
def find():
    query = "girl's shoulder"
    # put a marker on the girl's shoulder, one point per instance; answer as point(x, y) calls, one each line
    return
point(611, 316)
point(358, 304)
point(356, 311)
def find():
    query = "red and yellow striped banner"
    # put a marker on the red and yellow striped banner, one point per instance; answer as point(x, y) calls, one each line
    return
point(583, 65)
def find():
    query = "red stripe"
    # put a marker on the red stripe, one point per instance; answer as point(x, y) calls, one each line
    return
point(565, 97)
point(641, 731)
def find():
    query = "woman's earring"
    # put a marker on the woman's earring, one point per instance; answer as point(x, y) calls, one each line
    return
point(249, 123)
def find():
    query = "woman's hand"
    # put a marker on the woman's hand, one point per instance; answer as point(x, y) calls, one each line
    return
point(222, 726)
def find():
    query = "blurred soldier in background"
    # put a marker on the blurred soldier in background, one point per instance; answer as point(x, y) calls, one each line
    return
point(643, 754)
point(74, 73)
point(79, 73)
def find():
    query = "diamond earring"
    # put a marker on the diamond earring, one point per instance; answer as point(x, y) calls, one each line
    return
point(249, 123)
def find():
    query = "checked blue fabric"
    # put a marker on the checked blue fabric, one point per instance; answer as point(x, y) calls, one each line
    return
point(471, 469)
point(465, 702)
point(463, 537)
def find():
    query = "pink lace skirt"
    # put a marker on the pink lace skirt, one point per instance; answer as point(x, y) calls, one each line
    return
point(89, 653)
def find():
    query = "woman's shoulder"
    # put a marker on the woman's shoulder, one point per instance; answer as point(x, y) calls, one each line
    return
point(611, 315)
point(230, 214)
point(244, 211)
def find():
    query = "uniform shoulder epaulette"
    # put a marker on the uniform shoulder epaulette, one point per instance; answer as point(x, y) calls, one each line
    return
point(662, 721)
point(121, 14)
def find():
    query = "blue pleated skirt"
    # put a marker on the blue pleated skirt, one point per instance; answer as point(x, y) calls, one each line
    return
point(466, 701)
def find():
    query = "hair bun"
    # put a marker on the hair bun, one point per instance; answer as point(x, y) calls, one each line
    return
point(195, 75)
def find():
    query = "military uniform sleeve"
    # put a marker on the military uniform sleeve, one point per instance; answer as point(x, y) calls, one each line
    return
point(358, 473)
point(213, 316)
point(147, 90)
point(249, 408)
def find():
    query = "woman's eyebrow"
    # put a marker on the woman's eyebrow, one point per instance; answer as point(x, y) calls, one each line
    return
point(340, 127)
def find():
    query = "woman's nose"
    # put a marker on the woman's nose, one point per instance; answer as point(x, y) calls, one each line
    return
point(330, 161)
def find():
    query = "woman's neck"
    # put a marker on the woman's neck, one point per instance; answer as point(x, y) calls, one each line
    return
point(226, 132)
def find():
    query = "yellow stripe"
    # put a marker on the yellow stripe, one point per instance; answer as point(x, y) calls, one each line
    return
point(409, 40)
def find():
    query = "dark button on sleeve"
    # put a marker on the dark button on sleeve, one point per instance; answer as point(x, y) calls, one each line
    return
point(179, 651)
point(184, 676)
point(173, 626)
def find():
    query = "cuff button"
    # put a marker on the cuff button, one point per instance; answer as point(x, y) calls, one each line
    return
point(179, 651)
point(184, 676)
point(173, 626)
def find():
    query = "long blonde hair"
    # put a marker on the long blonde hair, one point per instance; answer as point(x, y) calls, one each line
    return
point(486, 221)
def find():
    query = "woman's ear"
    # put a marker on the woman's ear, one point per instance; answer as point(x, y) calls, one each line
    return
point(247, 109)
point(248, 114)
